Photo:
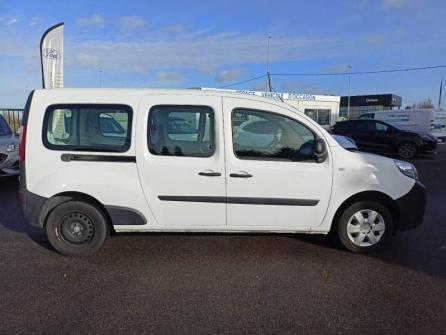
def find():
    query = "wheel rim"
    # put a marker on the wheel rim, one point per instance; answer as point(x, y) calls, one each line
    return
point(76, 228)
point(407, 150)
point(365, 228)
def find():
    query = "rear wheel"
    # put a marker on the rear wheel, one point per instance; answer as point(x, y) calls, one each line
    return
point(76, 228)
point(365, 226)
point(407, 150)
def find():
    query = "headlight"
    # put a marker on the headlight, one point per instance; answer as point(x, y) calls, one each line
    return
point(12, 147)
point(407, 169)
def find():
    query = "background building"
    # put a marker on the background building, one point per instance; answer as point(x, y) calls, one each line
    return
point(360, 104)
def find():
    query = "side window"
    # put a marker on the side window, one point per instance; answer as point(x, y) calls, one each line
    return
point(380, 127)
point(181, 131)
point(88, 128)
point(269, 136)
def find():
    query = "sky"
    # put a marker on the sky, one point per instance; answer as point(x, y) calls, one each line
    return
point(180, 44)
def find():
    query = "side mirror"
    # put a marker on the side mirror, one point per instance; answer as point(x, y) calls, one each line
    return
point(320, 150)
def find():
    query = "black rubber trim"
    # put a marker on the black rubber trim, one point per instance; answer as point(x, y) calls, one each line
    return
point(123, 216)
point(41, 43)
point(242, 200)
point(98, 158)
point(412, 207)
point(27, 108)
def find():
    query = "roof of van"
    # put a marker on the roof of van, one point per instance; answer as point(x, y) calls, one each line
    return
point(138, 93)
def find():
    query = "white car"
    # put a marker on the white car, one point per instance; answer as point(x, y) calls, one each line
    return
point(184, 162)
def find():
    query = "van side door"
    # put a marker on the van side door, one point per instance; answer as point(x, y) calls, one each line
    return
point(273, 182)
point(180, 158)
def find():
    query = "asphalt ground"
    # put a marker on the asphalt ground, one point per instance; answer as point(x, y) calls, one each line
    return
point(226, 284)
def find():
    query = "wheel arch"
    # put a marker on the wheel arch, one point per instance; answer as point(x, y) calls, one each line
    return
point(64, 197)
point(379, 197)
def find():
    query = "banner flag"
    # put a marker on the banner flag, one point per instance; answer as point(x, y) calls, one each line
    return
point(51, 57)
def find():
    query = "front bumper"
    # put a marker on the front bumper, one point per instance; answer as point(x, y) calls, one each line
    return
point(429, 147)
point(411, 207)
point(9, 164)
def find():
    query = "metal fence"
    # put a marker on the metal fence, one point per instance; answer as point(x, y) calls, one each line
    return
point(13, 116)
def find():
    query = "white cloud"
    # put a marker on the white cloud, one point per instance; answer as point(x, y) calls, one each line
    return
point(95, 20)
point(131, 22)
point(171, 76)
point(390, 4)
point(229, 75)
point(34, 21)
point(12, 21)
point(194, 51)
point(176, 28)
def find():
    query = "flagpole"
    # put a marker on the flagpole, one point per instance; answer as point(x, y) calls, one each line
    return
point(439, 96)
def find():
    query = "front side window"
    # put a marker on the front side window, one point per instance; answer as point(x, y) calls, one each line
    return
point(88, 128)
point(181, 131)
point(270, 136)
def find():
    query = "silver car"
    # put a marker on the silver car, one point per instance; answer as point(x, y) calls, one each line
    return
point(9, 150)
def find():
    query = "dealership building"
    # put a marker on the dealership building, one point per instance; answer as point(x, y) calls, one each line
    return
point(360, 104)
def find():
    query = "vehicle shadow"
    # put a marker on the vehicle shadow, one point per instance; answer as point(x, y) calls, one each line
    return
point(10, 213)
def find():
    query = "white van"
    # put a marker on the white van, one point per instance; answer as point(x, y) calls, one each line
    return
point(136, 160)
point(428, 120)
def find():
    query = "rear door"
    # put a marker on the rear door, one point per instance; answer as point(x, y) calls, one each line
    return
point(180, 157)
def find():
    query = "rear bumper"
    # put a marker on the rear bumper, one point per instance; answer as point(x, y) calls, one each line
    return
point(30, 203)
point(412, 207)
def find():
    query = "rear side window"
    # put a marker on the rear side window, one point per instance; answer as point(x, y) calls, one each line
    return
point(88, 128)
point(181, 131)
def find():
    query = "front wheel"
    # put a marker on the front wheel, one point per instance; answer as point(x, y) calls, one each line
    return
point(407, 150)
point(365, 226)
point(76, 228)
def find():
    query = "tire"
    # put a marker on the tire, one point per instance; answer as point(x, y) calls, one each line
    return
point(407, 150)
point(366, 236)
point(77, 228)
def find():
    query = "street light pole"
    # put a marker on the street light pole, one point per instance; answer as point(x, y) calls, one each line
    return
point(268, 78)
point(349, 86)
point(100, 78)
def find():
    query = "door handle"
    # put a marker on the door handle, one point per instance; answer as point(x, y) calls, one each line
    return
point(210, 174)
point(240, 175)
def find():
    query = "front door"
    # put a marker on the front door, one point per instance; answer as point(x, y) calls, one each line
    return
point(180, 157)
point(273, 181)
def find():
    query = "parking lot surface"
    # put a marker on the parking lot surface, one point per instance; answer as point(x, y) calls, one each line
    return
point(228, 284)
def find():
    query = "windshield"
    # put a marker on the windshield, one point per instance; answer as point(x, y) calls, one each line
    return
point(4, 128)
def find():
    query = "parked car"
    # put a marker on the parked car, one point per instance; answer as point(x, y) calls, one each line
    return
point(288, 175)
point(428, 120)
point(346, 142)
point(9, 150)
point(384, 137)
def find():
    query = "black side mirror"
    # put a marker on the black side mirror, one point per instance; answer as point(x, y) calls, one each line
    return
point(320, 150)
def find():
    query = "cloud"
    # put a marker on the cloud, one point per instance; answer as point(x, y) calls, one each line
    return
point(391, 4)
point(207, 69)
point(171, 76)
point(93, 20)
point(176, 28)
point(131, 22)
point(9, 21)
point(229, 75)
point(34, 21)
